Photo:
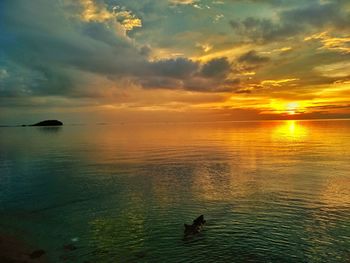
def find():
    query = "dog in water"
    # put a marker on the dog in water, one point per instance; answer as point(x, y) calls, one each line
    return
point(196, 226)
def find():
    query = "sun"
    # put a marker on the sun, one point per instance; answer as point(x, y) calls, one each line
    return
point(292, 108)
point(287, 107)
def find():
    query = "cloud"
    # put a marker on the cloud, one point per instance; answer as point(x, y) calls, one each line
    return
point(3, 74)
point(334, 70)
point(106, 54)
point(262, 30)
point(339, 44)
point(292, 22)
point(248, 63)
point(278, 82)
point(47, 43)
point(272, 2)
point(252, 57)
point(92, 11)
point(126, 18)
point(218, 17)
point(184, 2)
point(176, 68)
point(216, 68)
point(319, 15)
point(202, 84)
point(182, 73)
point(205, 47)
point(79, 48)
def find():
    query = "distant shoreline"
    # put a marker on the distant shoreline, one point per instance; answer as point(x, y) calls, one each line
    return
point(181, 122)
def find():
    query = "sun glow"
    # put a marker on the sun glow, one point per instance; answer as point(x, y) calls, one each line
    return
point(292, 108)
point(291, 130)
point(287, 108)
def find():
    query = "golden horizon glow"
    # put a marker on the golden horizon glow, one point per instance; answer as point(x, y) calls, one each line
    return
point(289, 108)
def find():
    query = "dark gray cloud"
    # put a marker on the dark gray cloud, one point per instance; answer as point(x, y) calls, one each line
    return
point(314, 16)
point(46, 49)
point(216, 68)
point(176, 68)
point(272, 2)
point(43, 42)
point(200, 84)
point(252, 57)
point(183, 73)
point(160, 82)
point(262, 29)
point(319, 15)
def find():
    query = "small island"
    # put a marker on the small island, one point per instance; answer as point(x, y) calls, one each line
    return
point(46, 123)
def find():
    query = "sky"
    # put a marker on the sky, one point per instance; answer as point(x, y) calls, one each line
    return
point(174, 60)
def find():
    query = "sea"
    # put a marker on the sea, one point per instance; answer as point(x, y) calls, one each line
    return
point(270, 191)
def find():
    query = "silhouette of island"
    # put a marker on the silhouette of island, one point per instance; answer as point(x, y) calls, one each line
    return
point(46, 123)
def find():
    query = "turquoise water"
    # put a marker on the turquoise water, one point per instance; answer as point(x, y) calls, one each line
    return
point(270, 191)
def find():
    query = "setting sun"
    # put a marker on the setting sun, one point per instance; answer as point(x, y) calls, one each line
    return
point(292, 108)
point(286, 108)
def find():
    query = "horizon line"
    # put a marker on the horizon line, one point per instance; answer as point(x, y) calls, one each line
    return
point(183, 122)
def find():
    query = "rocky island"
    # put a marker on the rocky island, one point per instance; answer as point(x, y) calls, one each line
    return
point(46, 123)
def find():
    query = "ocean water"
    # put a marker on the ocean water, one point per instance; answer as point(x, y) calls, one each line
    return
point(270, 191)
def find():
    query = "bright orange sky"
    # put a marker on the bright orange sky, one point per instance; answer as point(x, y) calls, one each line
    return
point(174, 60)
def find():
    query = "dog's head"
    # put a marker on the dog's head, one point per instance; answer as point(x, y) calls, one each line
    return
point(199, 220)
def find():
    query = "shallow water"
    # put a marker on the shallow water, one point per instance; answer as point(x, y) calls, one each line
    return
point(270, 191)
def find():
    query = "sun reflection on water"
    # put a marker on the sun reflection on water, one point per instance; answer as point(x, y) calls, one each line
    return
point(291, 130)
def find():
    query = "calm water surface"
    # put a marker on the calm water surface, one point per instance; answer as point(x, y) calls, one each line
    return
point(270, 191)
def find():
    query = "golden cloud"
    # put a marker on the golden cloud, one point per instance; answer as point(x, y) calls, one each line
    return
point(183, 2)
point(97, 12)
point(93, 12)
point(341, 44)
point(278, 82)
point(334, 70)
